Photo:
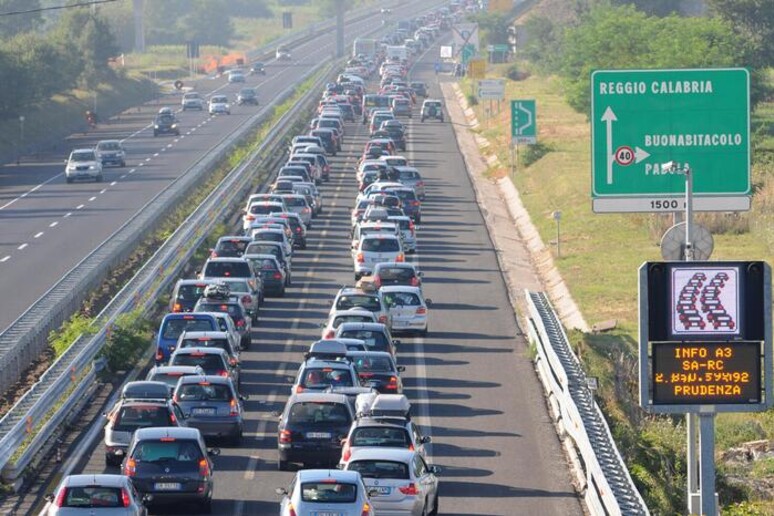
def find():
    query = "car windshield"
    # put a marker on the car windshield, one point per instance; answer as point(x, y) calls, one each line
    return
point(109, 146)
point(328, 492)
point(380, 469)
point(165, 119)
point(370, 303)
point(83, 156)
point(389, 436)
point(212, 364)
point(130, 418)
point(174, 327)
point(320, 378)
point(93, 497)
point(401, 299)
point(168, 450)
point(219, 100)
point(380, 245)
point(318, 412)
point(203, 391)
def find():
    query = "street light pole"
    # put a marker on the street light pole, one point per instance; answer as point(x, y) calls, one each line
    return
point(21, 139)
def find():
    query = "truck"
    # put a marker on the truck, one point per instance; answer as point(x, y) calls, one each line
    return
point(394, 52)
point(364, 46)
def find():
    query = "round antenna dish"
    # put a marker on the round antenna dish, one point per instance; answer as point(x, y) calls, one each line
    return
point(673, 243)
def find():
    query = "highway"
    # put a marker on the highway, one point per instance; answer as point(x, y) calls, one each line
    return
point(471, 381)
point(48, 226)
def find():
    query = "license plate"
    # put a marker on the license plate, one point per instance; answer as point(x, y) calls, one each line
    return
point(318, 435)
point(326, 513)
point(381, 491)
point(203, 411)
point(167, 486)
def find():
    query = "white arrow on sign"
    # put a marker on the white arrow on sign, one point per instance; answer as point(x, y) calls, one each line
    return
point(609, 117)
point(640, 155)
point(529, 118)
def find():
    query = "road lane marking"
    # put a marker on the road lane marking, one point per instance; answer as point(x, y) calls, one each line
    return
point(103, 191)
point(80, 206)
point(53, 224)
point(91, 199)
point(67, 214)
point(25, 194)
point(114, 183)
point(5, 258)
point(147, 160)
point(155, 155)
point(21, 247)
point(38, 234)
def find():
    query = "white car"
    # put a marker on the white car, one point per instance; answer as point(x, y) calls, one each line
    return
point(219, 105)
point(337, 317)
point(111, 152)
point(282, 54)
point(236, 76)
point(376, 248)
point(192, 100)
point(83, 164)
point(407, 307)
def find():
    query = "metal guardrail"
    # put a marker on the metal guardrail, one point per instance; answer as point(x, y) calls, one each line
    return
point(26, 337)
point(608, 488)
point(22, 420)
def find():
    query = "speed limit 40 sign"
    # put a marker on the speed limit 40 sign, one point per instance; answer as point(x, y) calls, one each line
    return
point(624, 156)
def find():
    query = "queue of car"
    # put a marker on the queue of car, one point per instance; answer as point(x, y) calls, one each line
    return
point(346, 413)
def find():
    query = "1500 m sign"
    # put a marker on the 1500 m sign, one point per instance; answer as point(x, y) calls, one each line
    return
point(642, 119)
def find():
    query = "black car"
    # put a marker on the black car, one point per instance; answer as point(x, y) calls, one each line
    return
point(311, 429)
point(186, 293)
point(166, 123)
point(377, 369)
point(258, 68)
point(247, 96)
point(328, 140)
point(396, 134)
point(172, 464)
point(420, 88)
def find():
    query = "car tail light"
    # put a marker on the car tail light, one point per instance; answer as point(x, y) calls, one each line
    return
point(305, 210)
point(277, 275)
point(366, 510)
point(159, 355)
point(415, 203)
point(247, 300)
point(285, 436)
point(366, 375)
point(377, 281)
point(346, 452)
point(330, 334)
point(130, 469)
point(233, 409)
point(383, 319)
point(412, 227)
point(298, 228)
point(172, 419)
point(240, 323)
point(177, 307)
point(414, 281)
point(204, 468)
point(125, 500)
point(232, 361)
point(421, 310)
point(299, 388)
point(291, 510)
point(360, 258)
point(249, 217)
point(60, 498)
point(400, 258)
point(393, 385)
point(410, 489)
point(176, 398)
point(420, 183)
point(213, 254)
point(223, 373)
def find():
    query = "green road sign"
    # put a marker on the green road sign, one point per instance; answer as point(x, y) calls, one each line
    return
point(523, 121)
point(468, 52)
point(642, 119)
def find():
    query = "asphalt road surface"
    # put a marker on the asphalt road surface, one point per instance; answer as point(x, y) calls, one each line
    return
point(48, 226)
point(470, 380)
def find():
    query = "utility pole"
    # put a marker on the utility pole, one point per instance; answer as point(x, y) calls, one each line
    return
point(340, 28)
point(139, 25)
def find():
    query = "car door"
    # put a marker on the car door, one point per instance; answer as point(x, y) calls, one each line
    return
point(426, 480)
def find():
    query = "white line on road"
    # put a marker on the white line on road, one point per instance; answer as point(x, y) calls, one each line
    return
point(38, 234)
point(67, 214)
point(91, 199)
point(25, 194)
point(53, 224)
point(80, 206)
point(103, 191)
point(114, 183)
point(21, 247)
point(5, 258)
point(155, 155)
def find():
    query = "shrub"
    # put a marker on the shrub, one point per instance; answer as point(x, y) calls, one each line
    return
point(61, 338)
point(529, 154)
point(130, 334)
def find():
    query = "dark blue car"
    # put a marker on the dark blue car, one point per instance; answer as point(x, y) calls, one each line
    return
point(176, 323)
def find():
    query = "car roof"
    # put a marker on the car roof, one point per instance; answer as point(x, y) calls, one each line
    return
point(382, 453)
point(317, 475)
point(365, 326)
point(102, 479)
point(402, 288)
point(317, 397)
point(84, 149)
point(209, 378)
point(178, 432)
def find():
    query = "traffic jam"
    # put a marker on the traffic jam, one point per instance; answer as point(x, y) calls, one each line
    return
point(346, 429)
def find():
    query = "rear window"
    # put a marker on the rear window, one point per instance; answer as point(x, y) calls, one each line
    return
point(190, 292)
point(404, 195)
point(266, 249)
point(208, 392)
point(380, 245)
point(401, 299)
point(269, 235)
point(366, 364)
point(172, 328)
point(396, 273)
point(212, 364)
point(308, 412)
point(264, 209)
point(328, 492)
point(393, 437)
point(180, 450)
point(235, 311)
point(350, 318)
point(93, 497)
point(374, 340)
point(130, 418)
point(380, 469)
point(209, 343)
point(366, 302)
point(321, 378)
point(237, 285)
point(232, 246)
point(225, 269)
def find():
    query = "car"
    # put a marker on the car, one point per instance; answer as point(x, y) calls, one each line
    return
point(273, 235)
point(111, 152)
point(212, 339)
point(297, 227)
point(282, 53)
point(213, 405)
point(272, 273)
point(231, 246)
point(375, 336)
point(214, 361)
point(218, 105)
point(338, 317)
point(311, 192)
point(166, 123)
point(145, 390)
point(173, 324)
point(725, 320)
point(329, 139)
point(247, 96)
point(410, 203)
point(353, 297)
point(83, 164)
point(376, 248)
point(236, 76)
point(378, 370)
point(323, 492)
point(366, 227)
point(235, 309)
point(325, 365)
point(411, 178)
point(129, 414)
point(407, 307)
point(401, 107)
point(383, 421)
point(432, 109)
point(398, 273)
point(419, 87)
point(250, 297)
point(192, 100)
point(231, 267)
point(173, 465)
point(407, 230)
point(94, 495)
point(399, 481)
point(277, 250)
point(258, 67)
point(170, 375)
point(258, 208)
point(311, 428)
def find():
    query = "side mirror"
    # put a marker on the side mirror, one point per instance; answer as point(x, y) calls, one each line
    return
point(213, 452)
point(322, 325)
point(435, 470)
point(401, 368)
point(396, 342)
point(244, 397)
point(49, 497)
point(276, 413)
point(281, 491)
point(426, 439)
point(420, 274)
point(429, 302)
point(147, 498)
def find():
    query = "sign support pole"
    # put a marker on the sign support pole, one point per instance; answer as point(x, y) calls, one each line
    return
point(707, 444)
point(692, 462)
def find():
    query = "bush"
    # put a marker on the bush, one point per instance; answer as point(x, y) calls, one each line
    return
point(529, 154)
point(62, 338)
point(472, 99)
point(128, 337)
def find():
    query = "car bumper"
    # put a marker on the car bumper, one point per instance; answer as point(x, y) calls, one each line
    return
point(112, 160)
point(413, 324)
point(216, 427)
point(82, 174)
point(408, 507)
point(312, 453)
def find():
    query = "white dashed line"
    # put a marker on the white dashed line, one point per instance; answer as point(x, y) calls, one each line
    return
point(169, 145)
point(115, 182)
point(38, 235)
point(67, 214)
point(22, 246)
point(53, 224)
point(155, 155)
point(147, 160)
point(103, 191)
point(122, 177)
point(80, 206)
point(92, 199)
point(5, 258)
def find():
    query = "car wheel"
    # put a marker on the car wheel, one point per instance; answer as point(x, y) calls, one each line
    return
point(99, 178)
point(434, 512)
point(282, 465)
point(207, 506)
point(69, 179)
point(281, 292)
point(245, 344)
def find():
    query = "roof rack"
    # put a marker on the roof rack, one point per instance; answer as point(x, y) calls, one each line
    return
point(393, 406)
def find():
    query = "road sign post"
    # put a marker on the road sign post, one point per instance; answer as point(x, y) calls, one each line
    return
point(643, 118)
point(491, 89)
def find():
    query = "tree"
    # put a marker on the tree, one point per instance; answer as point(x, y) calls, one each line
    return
point(206, 23)
point(754, 20)
point(493, 27)
point(89, 43)
point(654, 7)
point(248, 9)
point(19, 23)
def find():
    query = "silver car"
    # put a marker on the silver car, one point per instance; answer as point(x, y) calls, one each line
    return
point(298, 204)
point(326, 491)
point(376, 248)
point(411, 177)
point(400, 481)
point(407, 231)
point(407, 307)
point(83, 164)
point(95, 495)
